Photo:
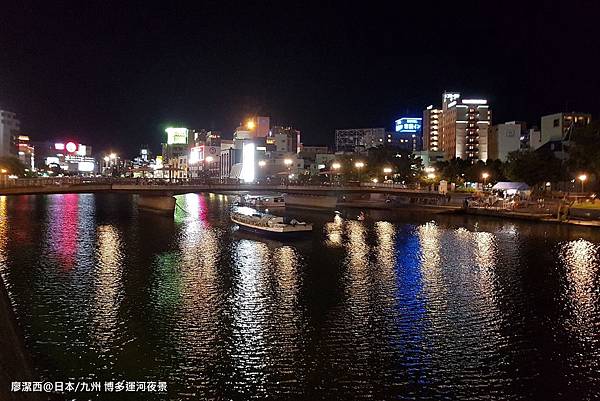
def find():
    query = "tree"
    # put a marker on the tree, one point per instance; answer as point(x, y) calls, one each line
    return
point(400, 160)
point(533, 167)
point(12, 165)
point(584, 150)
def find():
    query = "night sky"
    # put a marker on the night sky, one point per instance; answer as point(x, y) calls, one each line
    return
point(115, 75)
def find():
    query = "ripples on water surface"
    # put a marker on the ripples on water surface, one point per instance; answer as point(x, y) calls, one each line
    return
point(455, 308)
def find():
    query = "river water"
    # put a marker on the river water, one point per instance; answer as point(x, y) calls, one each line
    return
point(396, 307)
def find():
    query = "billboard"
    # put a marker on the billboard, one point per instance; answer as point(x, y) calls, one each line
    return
point(247, 173)
point(196, 154)
point(177, 136)
point(408, 125)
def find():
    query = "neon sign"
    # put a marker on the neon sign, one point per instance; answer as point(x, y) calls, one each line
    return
point(71, 147)
point(408, 124)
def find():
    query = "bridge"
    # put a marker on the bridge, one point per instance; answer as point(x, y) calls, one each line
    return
point(92, 185)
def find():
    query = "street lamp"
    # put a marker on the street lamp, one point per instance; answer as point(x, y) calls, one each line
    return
point(359, 166)
point(113, 156)
point(387, 170)
point(431, 176)
point(288, 163)
point(262, 163)
point(4, 171)
point(485, 177)
point(582, 178)
point(335, 166)
point(250, 124)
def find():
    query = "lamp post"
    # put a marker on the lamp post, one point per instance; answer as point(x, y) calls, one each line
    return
point(288, 163)
point(208, 160)
point(335, 166)
point(485, 177)
point(386, 171)
point(359, 166)
point(582, 178)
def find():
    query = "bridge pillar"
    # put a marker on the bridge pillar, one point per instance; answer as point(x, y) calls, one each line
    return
point(161, 204)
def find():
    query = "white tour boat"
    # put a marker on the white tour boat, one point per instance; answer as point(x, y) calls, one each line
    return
point(262, 223)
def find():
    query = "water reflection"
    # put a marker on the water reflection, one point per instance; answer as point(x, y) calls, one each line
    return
point(334, 230)
point(381, 309)
point(582, 260)
point(250, 318)
point(109, 285)
point(3, 232)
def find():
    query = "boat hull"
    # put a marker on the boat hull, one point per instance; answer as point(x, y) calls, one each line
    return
point(269, 233)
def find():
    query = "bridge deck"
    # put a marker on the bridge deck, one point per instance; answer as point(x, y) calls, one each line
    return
point(182, 188)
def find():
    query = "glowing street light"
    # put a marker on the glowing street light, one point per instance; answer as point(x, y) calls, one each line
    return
point(262, 163)
point(336, 166)
point(113, 156)
point(374, 180)
point(359, 166)
point(4, 171)
point(250, 124)
point(209, 159)
point(288, 162)
point(429, 169)
point(485, 177)
point(106, 159)
point(582, 178)
point(387, 170)
point(431, 176)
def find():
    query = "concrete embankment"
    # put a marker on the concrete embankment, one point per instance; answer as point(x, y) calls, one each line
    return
point(15, 363)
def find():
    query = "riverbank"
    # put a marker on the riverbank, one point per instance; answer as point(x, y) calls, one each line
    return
point(529, 216)
point(15, 364)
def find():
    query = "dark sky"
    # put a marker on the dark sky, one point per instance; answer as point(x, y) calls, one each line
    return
point(115, 75)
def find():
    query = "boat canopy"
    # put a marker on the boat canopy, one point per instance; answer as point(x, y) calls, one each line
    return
point(509, 185)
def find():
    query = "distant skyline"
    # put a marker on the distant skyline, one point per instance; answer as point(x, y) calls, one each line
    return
point(116, 76)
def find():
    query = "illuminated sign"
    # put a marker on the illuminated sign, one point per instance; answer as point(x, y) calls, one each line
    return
point(247, 173)
point(196, 154)
point(71, 147)
point(82, 150)
point(85, 166)
point(451, 96)
point(406, 124)
point(177, 136)
point(51, 160)
point(59, 146)
point(474, 101)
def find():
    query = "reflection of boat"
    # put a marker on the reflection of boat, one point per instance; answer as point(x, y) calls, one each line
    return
point(262, 201)
point(263, 223)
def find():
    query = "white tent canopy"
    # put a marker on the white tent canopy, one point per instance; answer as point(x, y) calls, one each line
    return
point(508, 185)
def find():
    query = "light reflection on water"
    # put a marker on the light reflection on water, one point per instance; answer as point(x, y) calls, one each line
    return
point(389, 308)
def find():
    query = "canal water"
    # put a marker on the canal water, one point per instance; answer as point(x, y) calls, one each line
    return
point(395, 307)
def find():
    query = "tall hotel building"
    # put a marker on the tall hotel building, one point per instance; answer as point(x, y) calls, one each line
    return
point(462, 128)
point(432, 119)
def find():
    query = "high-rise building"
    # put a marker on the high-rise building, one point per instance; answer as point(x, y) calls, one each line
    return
point(556, 127)
point(464, 127)
point(9, 130)
point(358, 139)
point(432, 119)
point(503, 139)
point(25, 151)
